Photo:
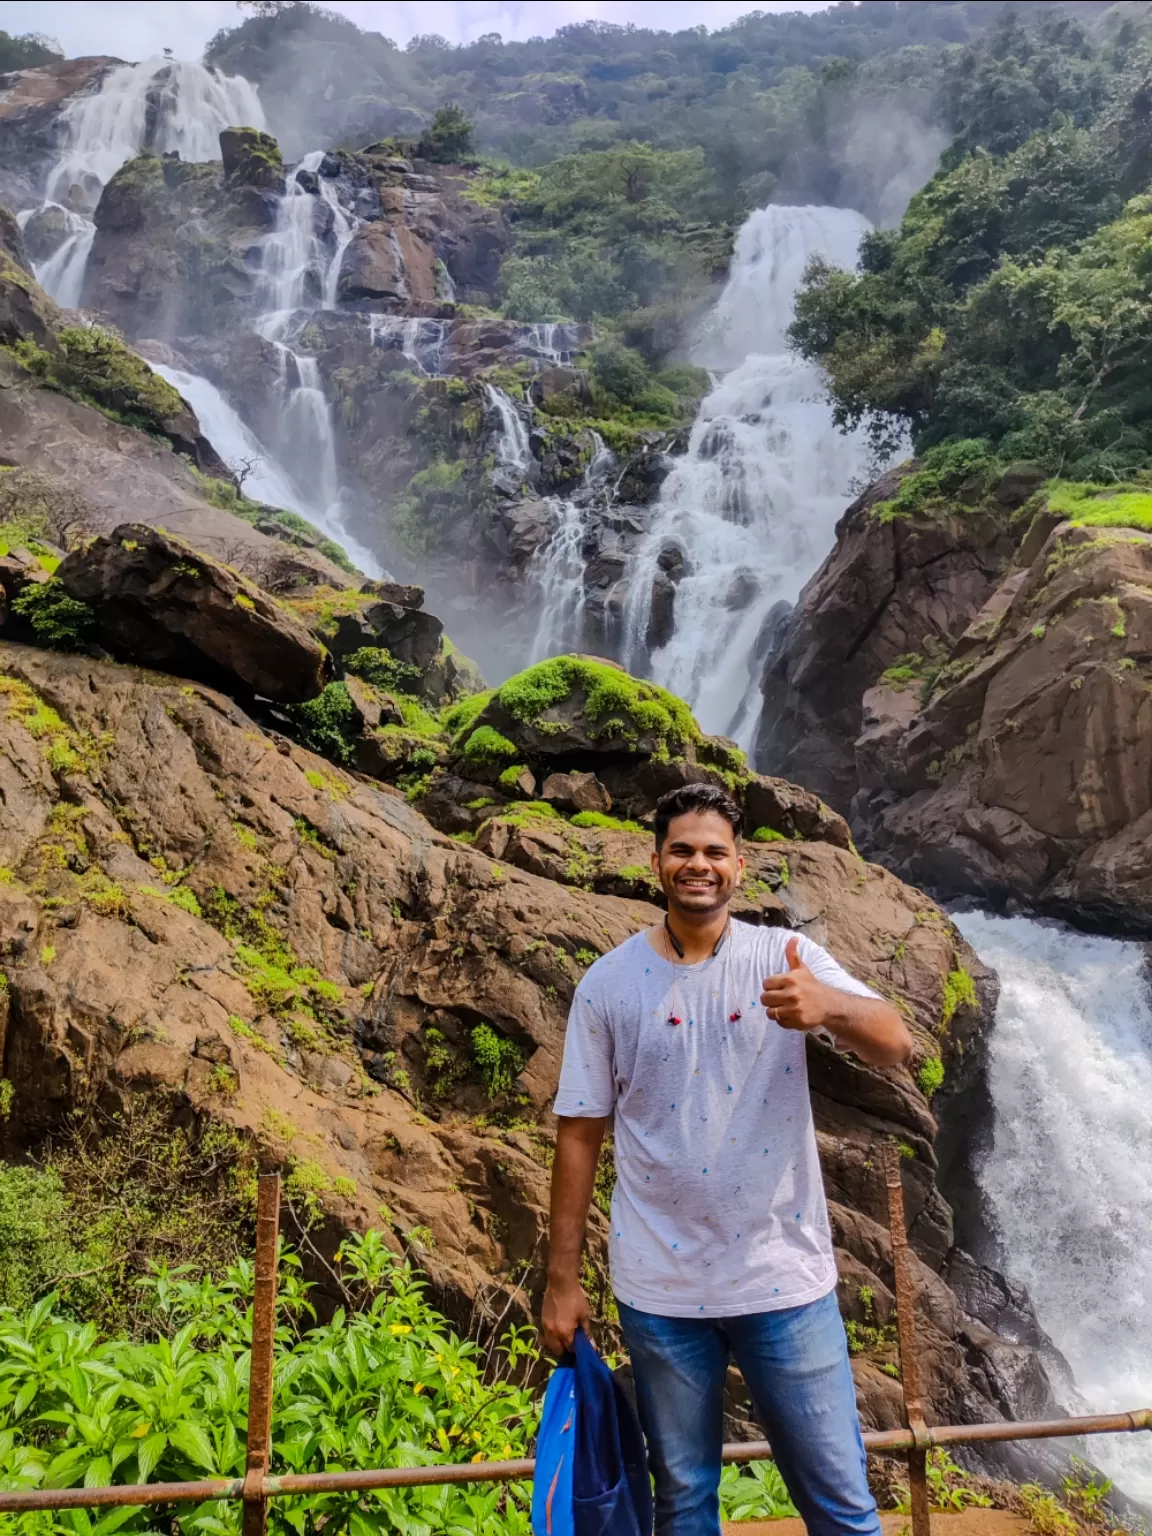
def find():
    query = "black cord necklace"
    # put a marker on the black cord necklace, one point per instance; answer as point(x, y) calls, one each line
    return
point(670, 938)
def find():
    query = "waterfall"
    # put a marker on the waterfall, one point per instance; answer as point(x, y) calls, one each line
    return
point(161, 105)
point(555, 574)
point(753, 503)
point(512, 447)
point(1069, 1175)
point(421, 341)
point(268, 481)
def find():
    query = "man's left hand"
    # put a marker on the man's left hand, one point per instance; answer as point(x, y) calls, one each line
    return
point(795, 999)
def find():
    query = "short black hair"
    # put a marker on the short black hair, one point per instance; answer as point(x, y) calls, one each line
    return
point(692, 799)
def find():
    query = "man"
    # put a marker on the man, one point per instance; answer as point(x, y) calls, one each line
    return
point(691, 1034)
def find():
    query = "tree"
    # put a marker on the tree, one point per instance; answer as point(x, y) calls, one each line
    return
point(448, 139)
point(28, 51)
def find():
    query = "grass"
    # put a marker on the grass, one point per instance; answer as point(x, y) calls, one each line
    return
point(605, 823)
point(1101, 506)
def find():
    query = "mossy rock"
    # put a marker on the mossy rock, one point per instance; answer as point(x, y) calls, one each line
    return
point(579, 707)
point(252, 159)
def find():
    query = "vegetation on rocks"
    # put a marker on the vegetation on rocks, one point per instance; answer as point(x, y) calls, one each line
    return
point(92, 364)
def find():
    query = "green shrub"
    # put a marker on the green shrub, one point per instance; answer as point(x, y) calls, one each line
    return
point(499, 1060)
point(57, 620)
point(768, 835)
point(385, 1383)
point(943, 470)
point(36, 1244)
point(448, 138)
point(328, 724)
point(614, 703)
point(377, 665)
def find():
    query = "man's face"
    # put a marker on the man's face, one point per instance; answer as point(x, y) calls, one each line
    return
point(699, 865)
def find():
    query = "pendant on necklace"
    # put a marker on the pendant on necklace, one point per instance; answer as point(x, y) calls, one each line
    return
point(672, 1019)
point(732, 1017)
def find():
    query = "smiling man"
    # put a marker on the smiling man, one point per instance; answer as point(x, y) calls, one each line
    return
point(691, 1037)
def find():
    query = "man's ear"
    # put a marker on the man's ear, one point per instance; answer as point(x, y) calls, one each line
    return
point(655, 861)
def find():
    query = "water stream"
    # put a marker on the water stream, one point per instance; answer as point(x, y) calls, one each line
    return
point(1069, 1175)
point(752, 505)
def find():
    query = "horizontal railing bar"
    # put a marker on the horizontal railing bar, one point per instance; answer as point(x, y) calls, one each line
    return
point(883, 1440)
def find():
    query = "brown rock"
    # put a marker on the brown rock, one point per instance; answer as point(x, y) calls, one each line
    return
point(576, 792)
point(252, 159)
point(161, 603)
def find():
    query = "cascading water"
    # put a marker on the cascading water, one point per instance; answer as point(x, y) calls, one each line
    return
point(752, 505)
point(162, 105)
point(512, 448)
point(1069, 1178)
point(555, 575)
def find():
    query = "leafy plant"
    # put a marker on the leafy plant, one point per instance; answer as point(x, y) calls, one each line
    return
point(948, 1486)
point(499, 1060)
point(57, 620)
point(755, 1491)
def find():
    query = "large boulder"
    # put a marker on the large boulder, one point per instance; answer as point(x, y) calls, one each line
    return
point(160, 603)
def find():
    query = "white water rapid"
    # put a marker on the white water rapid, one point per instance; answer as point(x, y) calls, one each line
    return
point(1069, 1175)
point(161, 105)
point(753, 503)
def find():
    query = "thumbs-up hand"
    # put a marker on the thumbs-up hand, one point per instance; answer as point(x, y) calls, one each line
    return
point(795, 999)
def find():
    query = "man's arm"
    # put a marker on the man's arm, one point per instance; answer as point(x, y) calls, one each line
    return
point(868, 1026)
point(573, 1176)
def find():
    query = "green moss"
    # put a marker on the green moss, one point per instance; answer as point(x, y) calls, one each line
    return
point(486, 745)
point(931, 1076)
point(959, 991)
point(458, 718)
point(510, 778)
point(615, 703)
point(768, 835)
point(606, 823)
point(528, 811)
point(1100, 506)
point(302, 533)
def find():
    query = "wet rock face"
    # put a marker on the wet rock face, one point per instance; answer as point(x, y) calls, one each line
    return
point(30, 105)
point(252, 159)
point(158, 602)
point(888, 589)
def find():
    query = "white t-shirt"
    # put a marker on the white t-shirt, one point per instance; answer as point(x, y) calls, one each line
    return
point(719, 1206)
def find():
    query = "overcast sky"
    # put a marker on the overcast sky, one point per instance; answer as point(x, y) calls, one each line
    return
point(137, 29)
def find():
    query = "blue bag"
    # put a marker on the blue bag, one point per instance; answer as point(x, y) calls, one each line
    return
point(555, 1446)
point(591, 1463)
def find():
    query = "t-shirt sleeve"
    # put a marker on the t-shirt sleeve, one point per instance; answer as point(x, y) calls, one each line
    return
point(830, 971)
point(587, 1077)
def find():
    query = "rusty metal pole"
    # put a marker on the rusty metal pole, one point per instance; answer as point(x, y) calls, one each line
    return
point(909, 1358)
point(263, 1341)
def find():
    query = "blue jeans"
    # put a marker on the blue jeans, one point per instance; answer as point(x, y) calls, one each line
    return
point(795, 1364)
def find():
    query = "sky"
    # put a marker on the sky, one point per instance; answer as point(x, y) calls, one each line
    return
point(139, 29)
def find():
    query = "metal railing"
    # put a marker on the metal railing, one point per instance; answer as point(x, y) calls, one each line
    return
point(256, 1487)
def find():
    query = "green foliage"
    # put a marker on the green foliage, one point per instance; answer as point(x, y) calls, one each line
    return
point(27, 51)
point(499, 1061)
point(113, 1197)
point(448, 138)
point(755, 1492)
point(768, 835)
point(437, 498)
point(948, 1486)
point(941, 474)
point(604, 822)
point(328, 724)
point(378, 666)
point(92, 364)
point(384, 1383)
point(931, 1076)
point(57, 620)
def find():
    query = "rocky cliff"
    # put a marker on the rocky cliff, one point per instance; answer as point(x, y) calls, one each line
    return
point(969, 683)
